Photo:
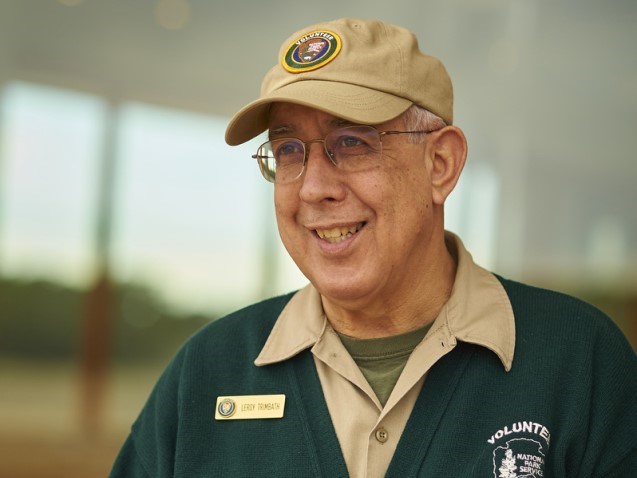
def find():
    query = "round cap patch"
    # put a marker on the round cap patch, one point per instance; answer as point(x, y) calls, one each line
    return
point(311, 51)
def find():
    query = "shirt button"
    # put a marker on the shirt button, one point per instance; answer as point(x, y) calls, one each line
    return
point(381, 435)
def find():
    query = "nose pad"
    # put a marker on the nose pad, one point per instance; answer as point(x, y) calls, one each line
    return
point(324, 149)
point(319, 176)
point(330, 154)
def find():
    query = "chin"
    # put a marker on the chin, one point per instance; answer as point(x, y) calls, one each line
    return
point(347, 289)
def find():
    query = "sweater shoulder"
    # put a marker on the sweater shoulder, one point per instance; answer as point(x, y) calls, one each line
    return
point(244, 331)
point(557, 314)
point(546, 302)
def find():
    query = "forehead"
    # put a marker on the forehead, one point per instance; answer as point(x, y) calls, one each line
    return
point(285, 118)
point(289, 120)
point(293, 116)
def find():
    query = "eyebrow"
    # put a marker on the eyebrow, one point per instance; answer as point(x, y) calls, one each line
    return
point(340, 122)
point(283, 130)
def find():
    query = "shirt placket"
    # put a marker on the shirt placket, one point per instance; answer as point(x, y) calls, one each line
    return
point(370, 439)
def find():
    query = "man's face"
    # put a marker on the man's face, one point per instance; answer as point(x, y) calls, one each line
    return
point(362, 236)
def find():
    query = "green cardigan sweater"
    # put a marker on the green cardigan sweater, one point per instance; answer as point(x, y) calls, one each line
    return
point(567, 408)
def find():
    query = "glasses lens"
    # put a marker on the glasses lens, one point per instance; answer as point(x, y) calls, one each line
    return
point(354, 148)
point(287, 157)
point(266, 161)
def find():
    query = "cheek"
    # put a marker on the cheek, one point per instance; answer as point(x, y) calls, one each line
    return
point(285, 211)
point(411, 184)
point(283, 202)
point(411, 201)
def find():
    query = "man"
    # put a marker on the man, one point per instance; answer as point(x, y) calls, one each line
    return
point(403, 357)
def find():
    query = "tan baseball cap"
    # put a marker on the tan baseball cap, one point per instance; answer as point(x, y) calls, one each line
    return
point(364, 71)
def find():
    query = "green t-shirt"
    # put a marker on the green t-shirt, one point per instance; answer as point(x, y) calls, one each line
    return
point(382, 360)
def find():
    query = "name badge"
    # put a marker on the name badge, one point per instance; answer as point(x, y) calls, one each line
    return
point(249, 407)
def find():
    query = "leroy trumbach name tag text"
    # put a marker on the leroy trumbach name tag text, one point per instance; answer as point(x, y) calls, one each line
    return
point(249, 407)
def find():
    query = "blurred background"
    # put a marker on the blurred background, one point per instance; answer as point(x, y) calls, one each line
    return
point(126, 223)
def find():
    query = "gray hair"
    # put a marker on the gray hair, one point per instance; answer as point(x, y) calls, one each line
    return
point(417, 118)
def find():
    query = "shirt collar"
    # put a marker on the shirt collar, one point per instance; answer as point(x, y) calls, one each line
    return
point(301, 323)
point(478, 312)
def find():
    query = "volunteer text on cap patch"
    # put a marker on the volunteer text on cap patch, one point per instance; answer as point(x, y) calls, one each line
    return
point(311, 51)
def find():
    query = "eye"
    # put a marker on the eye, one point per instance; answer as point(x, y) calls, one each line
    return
point(349, 142)
point(287, 148)
point(356, 141)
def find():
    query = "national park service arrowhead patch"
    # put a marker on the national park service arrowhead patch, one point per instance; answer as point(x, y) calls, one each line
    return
point(311, 51)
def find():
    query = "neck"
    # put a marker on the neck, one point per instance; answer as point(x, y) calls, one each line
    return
point(413, 303)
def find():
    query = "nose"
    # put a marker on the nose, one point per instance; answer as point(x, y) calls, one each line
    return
point(321, 180)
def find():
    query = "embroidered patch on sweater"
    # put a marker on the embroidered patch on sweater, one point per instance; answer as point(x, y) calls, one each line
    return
point(520, 450)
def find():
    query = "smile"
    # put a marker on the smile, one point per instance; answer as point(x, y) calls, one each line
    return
point(338, 234)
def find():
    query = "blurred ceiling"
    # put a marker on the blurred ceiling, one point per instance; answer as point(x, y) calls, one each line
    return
point(546, 90)
point(530, 62)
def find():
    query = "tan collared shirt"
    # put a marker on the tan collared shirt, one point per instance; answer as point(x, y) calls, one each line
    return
point(478, 311)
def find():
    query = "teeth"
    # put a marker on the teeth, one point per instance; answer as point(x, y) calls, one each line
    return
point(338, 234)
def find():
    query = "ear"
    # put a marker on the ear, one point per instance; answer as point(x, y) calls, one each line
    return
point(448, 152)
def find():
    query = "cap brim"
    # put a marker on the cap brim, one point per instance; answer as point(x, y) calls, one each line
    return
point(350, 102)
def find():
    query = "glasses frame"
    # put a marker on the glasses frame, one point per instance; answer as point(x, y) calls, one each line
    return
point(272, 179)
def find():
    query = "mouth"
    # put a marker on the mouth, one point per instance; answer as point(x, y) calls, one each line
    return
point(339, 234)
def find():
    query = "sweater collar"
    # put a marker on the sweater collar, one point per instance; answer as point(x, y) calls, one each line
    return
point(478, 311)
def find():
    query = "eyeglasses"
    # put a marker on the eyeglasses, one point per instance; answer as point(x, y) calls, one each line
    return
point(351, 149)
